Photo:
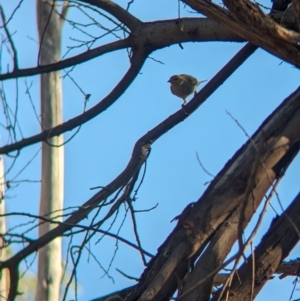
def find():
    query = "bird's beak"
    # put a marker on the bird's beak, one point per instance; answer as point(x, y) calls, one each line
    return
point(168, 81)
point(202, 81)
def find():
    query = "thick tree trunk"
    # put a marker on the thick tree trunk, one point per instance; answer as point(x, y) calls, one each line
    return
point(49, 262)
point(229, 202)
point(280, 239)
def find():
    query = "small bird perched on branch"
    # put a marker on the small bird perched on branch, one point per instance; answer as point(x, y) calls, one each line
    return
point(183, 85)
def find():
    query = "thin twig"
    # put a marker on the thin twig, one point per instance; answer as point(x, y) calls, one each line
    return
point(9, 37)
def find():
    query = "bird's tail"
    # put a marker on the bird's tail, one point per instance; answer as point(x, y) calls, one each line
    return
point(201, 81)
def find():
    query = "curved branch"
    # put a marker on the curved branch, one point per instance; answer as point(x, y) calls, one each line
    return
point(9, 37)
point(256, 27)
point(14, 281)
point(155, 32)
point(138, 157)
point(121, 87)
point(252, 16)
point(82, 227)
point(136, 65)
point(203, 94)
point(118, 90)
point(77, 59)
point(118, 12)
point(275, 245)
point(156, 36)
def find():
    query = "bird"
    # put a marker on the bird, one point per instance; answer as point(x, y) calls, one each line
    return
point(183, 85)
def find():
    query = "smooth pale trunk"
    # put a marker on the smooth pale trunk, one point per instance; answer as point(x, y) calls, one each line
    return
point(49, 261)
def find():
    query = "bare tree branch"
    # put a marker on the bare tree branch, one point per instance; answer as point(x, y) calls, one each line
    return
point(273, 248)
point(218, 79)
point(13, 281)
point(254, 26)
point(220, 246)
point(77, 59)
point(9, 37)
point(118, 12)
point(138, 157)
point(296, 7)
point(232, 196)
point(257, 21)
point(221, 199)
point(13, 13)
point(287, 268)
point(120, 88)
point(213, 32)
point(53, 221)
point(64, 10)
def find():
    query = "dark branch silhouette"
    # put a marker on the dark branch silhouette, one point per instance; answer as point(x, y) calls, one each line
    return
point(136, 65)
point(69, 62)
point(138, 157)
point(254, 25)
point(207, 229)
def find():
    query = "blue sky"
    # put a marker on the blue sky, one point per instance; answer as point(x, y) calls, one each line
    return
point(103, 146)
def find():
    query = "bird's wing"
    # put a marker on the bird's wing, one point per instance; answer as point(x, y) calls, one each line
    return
point(190, 78)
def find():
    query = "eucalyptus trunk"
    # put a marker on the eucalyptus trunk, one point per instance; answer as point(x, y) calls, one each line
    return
point(50, 259)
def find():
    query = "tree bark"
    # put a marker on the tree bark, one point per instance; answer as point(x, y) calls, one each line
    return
point(237, 190)
point(276, 244)
point(49, 262)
